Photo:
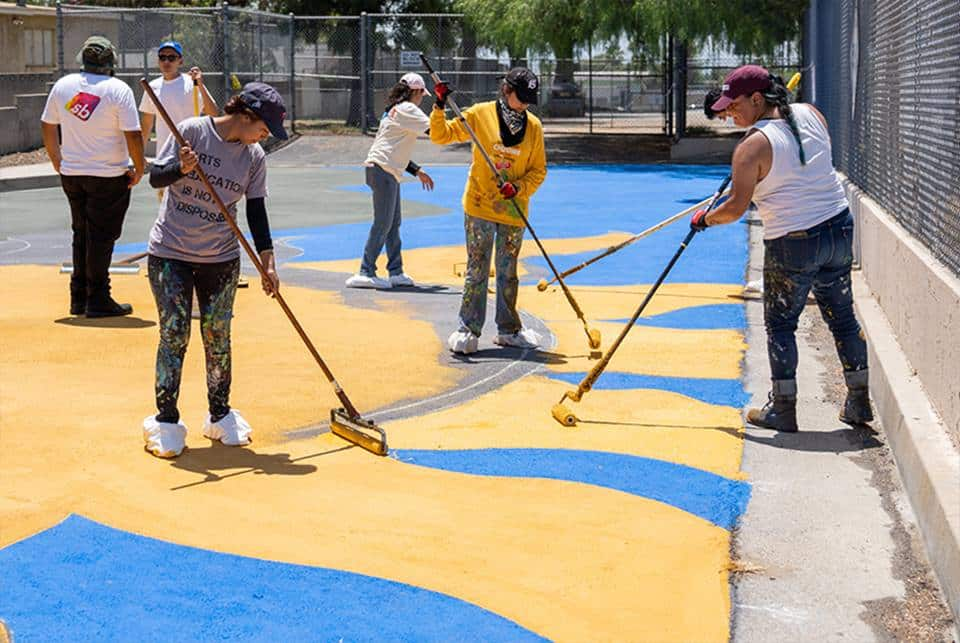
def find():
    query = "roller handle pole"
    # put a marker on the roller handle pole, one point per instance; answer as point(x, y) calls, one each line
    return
point(591, 377)
point(493, 168)
point(347, 405)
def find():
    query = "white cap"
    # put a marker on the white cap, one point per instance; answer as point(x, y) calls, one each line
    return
point(414, 80)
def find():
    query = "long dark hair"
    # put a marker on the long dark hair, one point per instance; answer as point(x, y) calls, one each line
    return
point(398, 93)
point(777, 95)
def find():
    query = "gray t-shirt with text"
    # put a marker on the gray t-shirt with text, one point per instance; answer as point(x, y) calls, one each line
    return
point(190, 227)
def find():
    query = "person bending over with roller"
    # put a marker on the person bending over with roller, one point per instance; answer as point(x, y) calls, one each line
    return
point(513, 137)
point(784, 166)
point(192, 247)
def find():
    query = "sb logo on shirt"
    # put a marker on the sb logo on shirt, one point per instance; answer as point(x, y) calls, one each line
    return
point(82, 105)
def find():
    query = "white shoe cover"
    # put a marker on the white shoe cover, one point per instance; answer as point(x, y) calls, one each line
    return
point(402, 281)
point(363, 281)
point(463, 341)
point(524, 338)
point(164, 439)
point(231, 430)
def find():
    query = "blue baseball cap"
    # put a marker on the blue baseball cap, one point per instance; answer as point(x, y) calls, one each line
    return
point(266, 102)
point(171, 44)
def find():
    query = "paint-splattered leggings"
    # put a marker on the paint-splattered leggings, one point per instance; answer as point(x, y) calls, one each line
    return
point(818, 258)
point(482, 236)
point(173, 283)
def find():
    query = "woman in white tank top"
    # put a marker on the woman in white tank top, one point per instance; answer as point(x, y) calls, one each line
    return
point(784, 166)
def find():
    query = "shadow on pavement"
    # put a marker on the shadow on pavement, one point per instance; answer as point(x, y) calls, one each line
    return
point(843, 440)
point(106, 322)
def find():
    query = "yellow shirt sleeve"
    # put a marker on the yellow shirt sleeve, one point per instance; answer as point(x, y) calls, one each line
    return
point(537, 171)
point(444, 132)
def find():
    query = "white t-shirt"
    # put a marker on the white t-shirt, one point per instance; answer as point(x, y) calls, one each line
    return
point(176, 96)
point(396, 136)
point(93, 111)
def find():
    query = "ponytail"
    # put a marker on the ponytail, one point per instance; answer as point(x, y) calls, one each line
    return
point(779, 96)
point(398, 93)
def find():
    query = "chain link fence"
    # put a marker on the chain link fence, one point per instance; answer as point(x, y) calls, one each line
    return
point(883, 72)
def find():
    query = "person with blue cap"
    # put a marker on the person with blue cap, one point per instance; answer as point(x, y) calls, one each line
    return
point(176, 93)
point(192, 248)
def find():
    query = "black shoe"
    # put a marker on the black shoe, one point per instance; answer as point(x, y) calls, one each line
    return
point(780, 411)
point(108, 308)
point(78, 306)
point(856, 408)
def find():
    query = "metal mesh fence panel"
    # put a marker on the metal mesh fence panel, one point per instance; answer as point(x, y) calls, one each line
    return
point(327, 66)
point(884, 75)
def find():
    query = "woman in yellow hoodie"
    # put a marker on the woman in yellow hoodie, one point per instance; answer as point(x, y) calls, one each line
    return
point(513, 137)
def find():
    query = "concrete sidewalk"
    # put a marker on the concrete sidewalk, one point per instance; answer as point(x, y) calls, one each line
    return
point(28, 177)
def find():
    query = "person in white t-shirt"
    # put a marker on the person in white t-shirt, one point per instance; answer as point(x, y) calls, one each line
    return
point(182, 95)
point(389, 157)
point(97, 119)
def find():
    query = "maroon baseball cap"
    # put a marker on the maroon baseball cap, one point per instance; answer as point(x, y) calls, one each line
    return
point(742, 81)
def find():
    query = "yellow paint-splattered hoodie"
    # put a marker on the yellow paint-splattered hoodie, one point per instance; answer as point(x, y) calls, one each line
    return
point(525, 164)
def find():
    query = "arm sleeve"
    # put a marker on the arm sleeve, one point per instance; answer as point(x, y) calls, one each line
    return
point(50, 113)
point(444, 132)
point(258, 224)
point(166, 174)
point(412, 168)
point(129, 117)
point(537, 172)
point(410, 117)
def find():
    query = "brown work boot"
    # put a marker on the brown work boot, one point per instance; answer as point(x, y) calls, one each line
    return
point(856, 408)
point(780, 411)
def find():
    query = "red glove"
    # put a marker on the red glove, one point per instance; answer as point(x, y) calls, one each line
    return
point(441, 90)
point(698, 221)
point(508, 190)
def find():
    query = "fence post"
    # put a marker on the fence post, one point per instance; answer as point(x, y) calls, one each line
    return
point(681, 86)
point(225, 44)
point(60, 67)
point(363, 72)
point(293, 73)
point(668, 85)
point(590, 76)
point(143, 36)
point(260, 43)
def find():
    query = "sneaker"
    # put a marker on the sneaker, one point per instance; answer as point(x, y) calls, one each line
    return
point(524, 338)
point(108, 308)
point(231, 430)
point(463, 341)
point(363, 281)
point(401, 281)
point(164, 439)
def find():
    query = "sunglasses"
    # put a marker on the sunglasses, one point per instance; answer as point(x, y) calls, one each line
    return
point(170, 58)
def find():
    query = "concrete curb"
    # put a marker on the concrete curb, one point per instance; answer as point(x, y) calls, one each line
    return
point(928, 462)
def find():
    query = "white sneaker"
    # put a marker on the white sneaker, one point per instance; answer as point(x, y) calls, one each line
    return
point(401, 281)
point(164, 439)
point(363, 281)
point(231, 429)
point(463, 341)
point(524, 338)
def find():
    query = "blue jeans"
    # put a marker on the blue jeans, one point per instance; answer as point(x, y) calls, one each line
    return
point(482, 236)
point(818, 258)
point(386, 223)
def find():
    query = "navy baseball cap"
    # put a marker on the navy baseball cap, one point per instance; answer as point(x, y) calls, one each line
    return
point(171, 44)
point(266, 102)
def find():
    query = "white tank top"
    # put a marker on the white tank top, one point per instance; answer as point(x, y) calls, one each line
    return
point(792, 196)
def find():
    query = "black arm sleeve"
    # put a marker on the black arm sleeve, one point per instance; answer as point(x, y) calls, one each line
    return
point(163, 175)
point(259, 225)
point(413, 168)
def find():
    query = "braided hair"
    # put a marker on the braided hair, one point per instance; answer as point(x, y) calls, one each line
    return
point(777, 95)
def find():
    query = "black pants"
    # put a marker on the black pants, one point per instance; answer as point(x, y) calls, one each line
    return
point(97, 208)
point(173, 283)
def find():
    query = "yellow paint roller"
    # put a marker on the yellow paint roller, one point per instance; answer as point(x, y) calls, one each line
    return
point(235, 83)
point(793, 82)
point(196, 98)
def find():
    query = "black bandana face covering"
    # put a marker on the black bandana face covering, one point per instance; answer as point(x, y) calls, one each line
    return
point(515, 120)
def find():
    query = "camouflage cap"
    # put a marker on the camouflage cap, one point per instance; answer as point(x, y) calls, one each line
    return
point(97, 51)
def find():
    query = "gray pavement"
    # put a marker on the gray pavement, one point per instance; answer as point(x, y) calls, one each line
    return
point(828, 548)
